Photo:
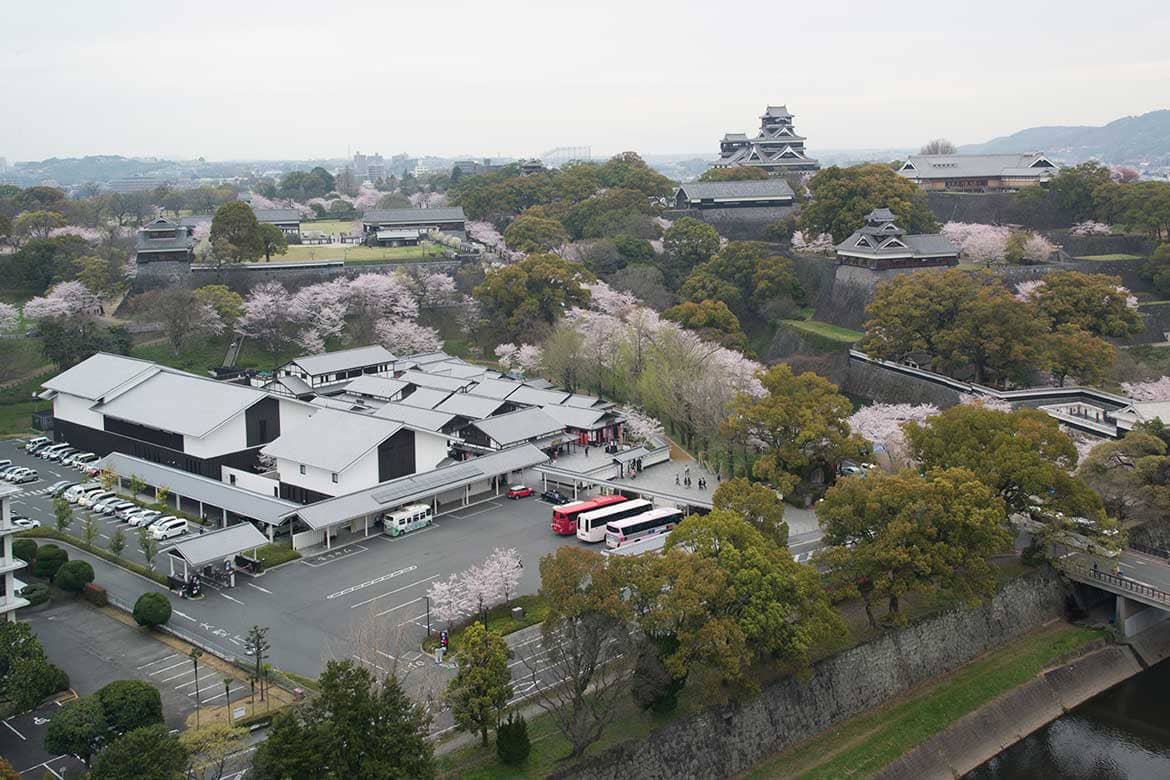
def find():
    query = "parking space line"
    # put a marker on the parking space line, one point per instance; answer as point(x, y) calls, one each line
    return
point(229, 598)
point(392, 592)
point(412, 620)
point(172, 666)
point(14, 731)
point(400, 606)
point(213, 698)
point(257, 587)
point(158, 660)
point(53, 771)
point(183, 673)
point(368, 583)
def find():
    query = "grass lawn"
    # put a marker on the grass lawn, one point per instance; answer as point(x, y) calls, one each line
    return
point(1106, 258)
point(17, 406)
point(275, 554)
point(198, 358)
point(834, 332)
point(356, 254)
point(20, 357)
point(868, 742)
point(333, 227)
point(500, 620)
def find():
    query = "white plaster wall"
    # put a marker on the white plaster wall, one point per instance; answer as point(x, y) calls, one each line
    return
point(250, 480)
point(429, 451)
point(76, 410)
point(232, 436)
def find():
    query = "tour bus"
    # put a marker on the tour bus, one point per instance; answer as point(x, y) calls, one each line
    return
point(564, 517)
point(656, 521)
point(408, 518)
point(591, 525)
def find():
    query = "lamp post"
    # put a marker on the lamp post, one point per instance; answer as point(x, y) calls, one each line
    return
point(195, 653)
point(428, 598)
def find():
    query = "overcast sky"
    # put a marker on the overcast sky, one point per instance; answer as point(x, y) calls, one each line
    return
point(291, 79)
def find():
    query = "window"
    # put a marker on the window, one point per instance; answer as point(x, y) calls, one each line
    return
point(302, 468)
point(231, 479)
point(335, 478)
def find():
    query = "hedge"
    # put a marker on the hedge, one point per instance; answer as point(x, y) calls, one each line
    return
point(50, 558)
point(137, 568)
point(275, 554)
point(73, 576)
point(95, 594)
point(152, 609)
point(36, 593)
point(25, 549)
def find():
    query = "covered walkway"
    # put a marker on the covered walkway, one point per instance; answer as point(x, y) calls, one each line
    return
point(212, 555)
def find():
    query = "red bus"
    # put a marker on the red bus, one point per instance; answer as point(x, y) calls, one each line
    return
point(564, 517)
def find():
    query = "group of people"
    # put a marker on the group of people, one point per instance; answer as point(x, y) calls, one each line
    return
point(685, 479)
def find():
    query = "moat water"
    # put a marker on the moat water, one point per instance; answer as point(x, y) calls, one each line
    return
point(1121, 733)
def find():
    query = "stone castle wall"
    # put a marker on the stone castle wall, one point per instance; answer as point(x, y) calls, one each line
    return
point(724, 741)
point(243, 278)
point(866, 380)
point(739, 224)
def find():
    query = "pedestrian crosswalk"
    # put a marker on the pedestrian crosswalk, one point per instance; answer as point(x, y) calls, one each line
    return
point(33, 493)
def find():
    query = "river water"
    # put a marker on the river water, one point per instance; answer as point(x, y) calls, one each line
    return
point(1122, 733)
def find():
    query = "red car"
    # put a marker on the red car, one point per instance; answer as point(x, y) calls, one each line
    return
point(520, 491)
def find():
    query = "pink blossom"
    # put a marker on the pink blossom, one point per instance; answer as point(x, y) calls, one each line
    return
point(447, 599)
point(1156, 390)
point(822, 244)
point(66, 299)
point(1039, 248)
point(605, 299)
point(1091, 228)
point(469, 315)
point(376, 297)
point(9, 316)
point(404, 337)
point(93, 235)
point(1027, 291)
point(501, 574)
point(267, 316)
point(881, 424)
point(202, 230)
point(978, 243)
point(639, 427)
point(434, 289)
point(989, 402)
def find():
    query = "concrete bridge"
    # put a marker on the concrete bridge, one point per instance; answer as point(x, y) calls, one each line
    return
point(1138, 581)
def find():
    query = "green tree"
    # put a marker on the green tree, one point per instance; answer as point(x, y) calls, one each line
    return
point(1095, 303)
point(761, 506)
point(130, 704)
point(532, 233)
point(79, 728)
point(483, 684)
point(1070, 351)
point(37, 224)
point(1074, 190)
point(117, 543)
point(50, 557)
point(710, 319)
point(907, 533)
point(89, 528)
point(1022, 455)
point(1131, 475)
point(273, 241)
point(690, 243)
point(801, 422)
point(228, 304)
point(152, 609)
point(95, 273)
point(25, 549)
point(209, 748)
point(512, 743)
point(73, 576)
point(628, 171)
point(841, 197)
point(235, 232)
point(26, 676)
point(185, 319)
point(531, 295)
point(1157, 269)
point(62, 514)
point(149, 753)
point(354, 727)
point(257, 645)
point(737, 173)
point(7, 771)
point(148, 546)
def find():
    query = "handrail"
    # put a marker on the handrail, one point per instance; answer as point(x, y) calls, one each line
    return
point(1157, 552)
point(1117, 581)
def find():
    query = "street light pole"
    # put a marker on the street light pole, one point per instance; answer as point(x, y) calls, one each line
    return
point(428, 598)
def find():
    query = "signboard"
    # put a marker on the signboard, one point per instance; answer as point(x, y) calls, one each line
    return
point(239, 712)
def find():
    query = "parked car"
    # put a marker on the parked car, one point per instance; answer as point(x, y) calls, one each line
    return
point(48, 452)
point(555, 497)
point(168, 528)
point(72, 459)
point(41, 447)
point(13, 472)
point(73, 494)
point(24, 523)
point(59, 487)
point(145, 518)
point(520, 491)
point(112, 507)
point(26, 476)
point(103, 506)
point(6, 470)
point(61, 455)
point(87, 500)
point(82, 460)
point(5, 463)
point(130, 511)
point(32, 444)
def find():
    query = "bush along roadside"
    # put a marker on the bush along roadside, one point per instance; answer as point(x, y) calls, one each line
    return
point(137, 568)
point(499, 620)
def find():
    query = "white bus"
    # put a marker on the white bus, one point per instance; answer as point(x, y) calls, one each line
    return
point(406, 519)
point(591, 525)
point(656, 521)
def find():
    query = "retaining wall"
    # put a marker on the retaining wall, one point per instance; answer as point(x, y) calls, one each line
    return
point(875, 383)
point(727, 740)
point(739, 224)
point(242, 278)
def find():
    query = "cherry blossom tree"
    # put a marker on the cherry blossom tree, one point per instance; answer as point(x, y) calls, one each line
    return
point(268, 318)
point(434, 289)
point(1091, 228)
point(374, 297)
point(604, 298)
point(978, 243)
point(882, 423)
point(406, 337)
point(639, 427)
point(9, 316)
point(320, 310)
point(447, 599)
point(501, 574)
point(525, 357)
point(822, 244)
point(1027, 291)
point(988, 402)
point(469, 316)
point(93, 235)
point(1037, 247)
point(64, 300)
point(1156, 390)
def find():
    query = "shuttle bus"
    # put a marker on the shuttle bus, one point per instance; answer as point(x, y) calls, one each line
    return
point(407, 519)
point(591, 525)
point(564, 517)
point(656, 521)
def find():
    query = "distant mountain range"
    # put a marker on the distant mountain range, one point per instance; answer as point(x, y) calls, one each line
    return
point(1131, 139)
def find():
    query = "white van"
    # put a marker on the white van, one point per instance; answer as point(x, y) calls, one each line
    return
point(168, 527)
point(406, 519)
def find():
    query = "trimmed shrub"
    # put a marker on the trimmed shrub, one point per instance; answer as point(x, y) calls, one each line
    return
point(50, 557)
point(25, 549)
point(36, 593)
point(73, 576)
point(512, 743)
point(130, 704)
point(95, 594)
point(152, 609)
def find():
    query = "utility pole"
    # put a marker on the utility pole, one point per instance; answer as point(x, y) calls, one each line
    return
point(195, 653)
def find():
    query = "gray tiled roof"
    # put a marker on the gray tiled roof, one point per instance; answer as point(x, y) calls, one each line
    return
point(925, 244)
point(518, 426)
point(746, 190)
point(413, 216)
point(534, 397)
point(404, 490)
point(495, 388)
point(414, 416)
point(95, 376)
point(777, 111)
point(470, 406)
point(344, 359)
point(273, 216)
point(948, 166)
point(218, 545)
point(426, 358)
point(425, 397)
point(438, 381)
point(931, 244)
point(880, 215)
point(375, 386)
point(183, 403)
point(332, 440)
point(583, 419)
point(246, 503)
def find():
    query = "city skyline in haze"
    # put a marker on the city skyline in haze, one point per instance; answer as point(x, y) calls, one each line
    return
point(296, 80)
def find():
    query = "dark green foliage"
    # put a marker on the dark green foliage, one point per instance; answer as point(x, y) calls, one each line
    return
point(841, 197)
point(636, 250)
point(512, 743)
point(130, 704)
point(50, 557)
point(41, 262)
point(72, 576)
point(79, 728)
point(1034, 553)
point(95, 594)
point(143, 754)
point(26, 677)
point(303, 185)
point(68, 342)
point(652, 686)
point(25, 549)
point(152, 609)
point(36, 593)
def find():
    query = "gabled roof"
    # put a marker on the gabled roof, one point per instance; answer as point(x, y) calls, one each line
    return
point(495, 388)
point(272, 216)
point(218, 546)
point(343, 359)
point(375, 386)
point(425, 397)
point(291, 384)
point(413, 216)
point(582, 419)
point(777, 112)
point(860, 243)
point(182, 403)
point(949, 166)
point(737, 190)
point(880, 215)
point(426, 358)
point(96, 376)
point(470, 406)
point(583, 401)
point(415, 417)
point(531, 396)
point(522, 425)
point(423, 379)
point(460, 370)
point(332, 440)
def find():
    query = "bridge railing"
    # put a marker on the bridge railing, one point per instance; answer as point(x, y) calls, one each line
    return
point(1157, 552)
point(1116, 581)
